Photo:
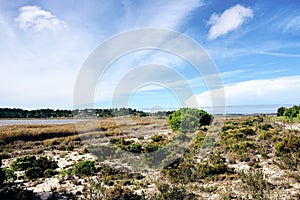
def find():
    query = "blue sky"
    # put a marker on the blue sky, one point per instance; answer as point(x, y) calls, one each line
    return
point(255, 46)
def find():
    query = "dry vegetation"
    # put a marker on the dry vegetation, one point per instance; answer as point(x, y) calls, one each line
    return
point(253, 158)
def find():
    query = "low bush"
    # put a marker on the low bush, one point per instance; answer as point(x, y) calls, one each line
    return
point(34, 168)
point(157, 138)
point(34, 172)
point(24, 163)
point(84, 168)
point(266, 127)
point(10, 175)
point(255, 184)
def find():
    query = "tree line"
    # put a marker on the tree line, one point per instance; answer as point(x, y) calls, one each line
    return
point(293, 112)
point(51, 113)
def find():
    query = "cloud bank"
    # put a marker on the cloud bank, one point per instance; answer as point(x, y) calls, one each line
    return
point(283, 90)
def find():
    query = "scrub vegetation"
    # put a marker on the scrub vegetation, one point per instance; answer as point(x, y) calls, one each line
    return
point(253, 157)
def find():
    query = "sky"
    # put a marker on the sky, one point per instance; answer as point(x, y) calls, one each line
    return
point(254, 46)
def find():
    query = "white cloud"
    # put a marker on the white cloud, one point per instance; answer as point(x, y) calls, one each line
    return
point(283, 90)
point(36, 19)
point(293, 24)
point(228, 21)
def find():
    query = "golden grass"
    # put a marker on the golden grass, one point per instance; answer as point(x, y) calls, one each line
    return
point(51, 133)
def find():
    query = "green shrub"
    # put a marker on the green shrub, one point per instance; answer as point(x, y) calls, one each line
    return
point(24, 163)
point(150, 147)
point(157, 138)
point(34, 172)
point(70, 147)
point(248, 131)
point(265, 135)
point(255, 184)
point(243, 146)
point(266, 127)
point(207, 170)
point(34, 168)
point(84, 168)
point(45, 163)
point(188, 119)
point(180, 171)
point(289, 144)
point(65, 173)
point(9, 174)
point(134, 147)
point(248, 123)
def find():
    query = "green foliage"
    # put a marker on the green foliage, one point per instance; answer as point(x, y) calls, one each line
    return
point(70, 147)
point(188, 119)
point(292, 112)
point(248, 131)
point(255, 184)
point(280, 111)
point(135, 148)
point(180, 171)
point(265, 135)
point(243, 146)
point(40, 113)
point(10, 175)
point(65, 173)
point(24, 163)
point(34, 168)
point(266, 127)
point(151, 147)
point(34, 172)
point(156, 138)
point(289, 144)
point(288, 151)
point(48, 113)
point(84, 168)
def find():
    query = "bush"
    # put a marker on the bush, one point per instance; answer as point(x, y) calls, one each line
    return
point(255, 184)
point(70, 147)
point(266, 127)
point(188, 119)
point(180, 171)
point(135, 148)
point(248, 131)
point(84, 168)
point(34, 172)
point(24, 163)
point(9, 174)
point(34, 168)
point(150, 147)
point(157, 138)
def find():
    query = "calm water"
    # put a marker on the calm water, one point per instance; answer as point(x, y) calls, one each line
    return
point(239, 109)
point(5, 122)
